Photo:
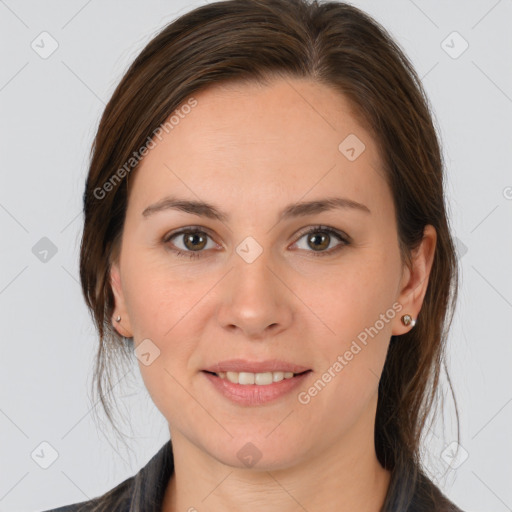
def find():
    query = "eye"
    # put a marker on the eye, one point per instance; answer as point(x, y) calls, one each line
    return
point(194, 240)
point(320, 238)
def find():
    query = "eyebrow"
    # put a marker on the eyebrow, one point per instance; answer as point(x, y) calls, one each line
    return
point(204, 209)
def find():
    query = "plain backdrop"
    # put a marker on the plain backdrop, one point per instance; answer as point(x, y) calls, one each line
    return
point(50, 107)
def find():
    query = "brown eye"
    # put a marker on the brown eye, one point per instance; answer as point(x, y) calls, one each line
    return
point(319, 238)
point(318, 241)
point(194, 241)
point(188, 242)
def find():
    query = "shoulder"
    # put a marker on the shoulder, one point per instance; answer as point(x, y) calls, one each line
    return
point(430, 497)
point(147, 486)
point(118, 498)
point(411, 490)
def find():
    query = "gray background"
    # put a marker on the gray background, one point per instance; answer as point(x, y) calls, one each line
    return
point(50, 108)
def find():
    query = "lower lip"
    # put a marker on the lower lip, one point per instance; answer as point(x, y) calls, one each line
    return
point(254, 394)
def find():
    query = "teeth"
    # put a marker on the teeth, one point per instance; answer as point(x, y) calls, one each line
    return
point(261, 379)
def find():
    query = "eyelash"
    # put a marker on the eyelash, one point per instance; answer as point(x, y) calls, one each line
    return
point(314, 229)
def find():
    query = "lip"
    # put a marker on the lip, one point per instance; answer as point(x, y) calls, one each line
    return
point(253, 394)
point(242, 365)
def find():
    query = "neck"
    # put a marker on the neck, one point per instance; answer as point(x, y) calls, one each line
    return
point(346, 477)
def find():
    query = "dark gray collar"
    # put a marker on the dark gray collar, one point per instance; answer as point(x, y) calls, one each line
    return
point(149, 484)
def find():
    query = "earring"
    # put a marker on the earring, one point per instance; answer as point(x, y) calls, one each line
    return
point(408, 320)
point(118, 318)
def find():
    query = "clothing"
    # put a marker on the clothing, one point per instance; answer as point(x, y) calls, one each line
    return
point(144, 492)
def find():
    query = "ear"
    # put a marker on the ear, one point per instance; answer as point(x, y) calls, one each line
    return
point(123, 327)
point(413, 286)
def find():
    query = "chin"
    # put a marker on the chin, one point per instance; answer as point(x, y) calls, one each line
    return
point(259, 453)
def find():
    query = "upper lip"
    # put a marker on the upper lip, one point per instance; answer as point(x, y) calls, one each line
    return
point(242, 365)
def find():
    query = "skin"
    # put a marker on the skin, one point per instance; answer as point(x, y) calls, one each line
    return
point(251, 150)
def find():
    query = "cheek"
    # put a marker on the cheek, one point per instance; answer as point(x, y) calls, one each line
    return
point(166, 308)
point(158, 296)
point(357, 306)
point(355, 295)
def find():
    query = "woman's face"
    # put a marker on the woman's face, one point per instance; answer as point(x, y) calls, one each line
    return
point(252, 285)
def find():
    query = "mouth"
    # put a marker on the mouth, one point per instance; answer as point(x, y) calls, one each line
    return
point(257, 388)
point(258, 379)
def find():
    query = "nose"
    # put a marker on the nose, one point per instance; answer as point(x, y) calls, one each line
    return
point(254, 300)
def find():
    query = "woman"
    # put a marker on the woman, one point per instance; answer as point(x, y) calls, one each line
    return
point(265, 226)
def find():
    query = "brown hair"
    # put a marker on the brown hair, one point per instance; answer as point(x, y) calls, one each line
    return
point(334, 44)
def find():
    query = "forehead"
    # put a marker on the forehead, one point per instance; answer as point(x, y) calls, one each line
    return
point(271, 143)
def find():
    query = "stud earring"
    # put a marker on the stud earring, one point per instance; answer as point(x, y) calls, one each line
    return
point(118, 318)
point(408, 320)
